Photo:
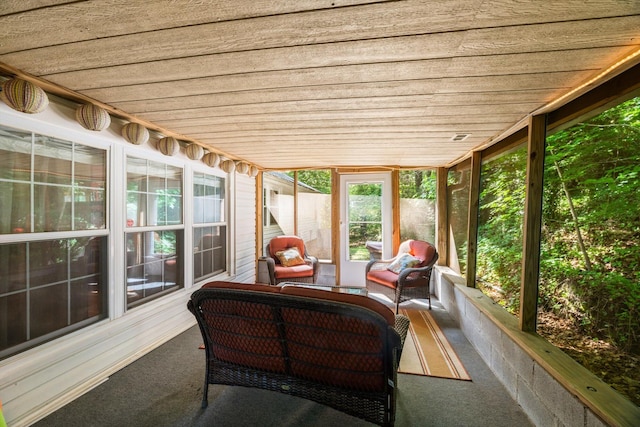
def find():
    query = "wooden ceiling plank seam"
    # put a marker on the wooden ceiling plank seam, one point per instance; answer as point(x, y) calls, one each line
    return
point(519, 17)
point(391, 123)
point(13, 7)
point(84, 25)
point(315, 93)
point(446, 99)
point(361, 113)
point(155, 92)
point(94, 79)
point(145, 50)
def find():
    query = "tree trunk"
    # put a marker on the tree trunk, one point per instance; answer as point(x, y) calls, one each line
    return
point(587, 261)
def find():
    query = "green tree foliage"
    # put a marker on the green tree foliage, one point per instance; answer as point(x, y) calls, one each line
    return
point(592, 192)
point(590, 257)
point(365, 213)
point(319, 179)
point(418, 184)
point(499, 254)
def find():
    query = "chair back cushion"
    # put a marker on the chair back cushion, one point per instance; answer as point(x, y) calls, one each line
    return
point(422, 250)
point(282, 243)
point(243, 332)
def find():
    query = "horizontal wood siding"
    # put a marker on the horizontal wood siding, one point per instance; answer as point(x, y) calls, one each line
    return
point(245, 228)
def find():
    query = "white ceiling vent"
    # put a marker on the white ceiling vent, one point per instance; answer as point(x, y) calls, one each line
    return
point(458, 137)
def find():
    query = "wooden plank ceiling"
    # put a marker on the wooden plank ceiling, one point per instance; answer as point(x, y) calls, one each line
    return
point(314, 84)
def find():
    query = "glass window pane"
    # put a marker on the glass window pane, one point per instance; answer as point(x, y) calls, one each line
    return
point(50, 288)
point(69, 182)
point(208, 199)
point(156, 198)
point(48, 262)
point(210, 252)
point(365, 218)
point(13, 267)
point(90, 167)
point(418, 205)
point(89, 209)
point(13, 322)
point(365, 202)
point(15, 152)
point(172, 211)
point(590, 257)
point(154, 266)
point(52, 208)
point(458, 188)
point(48, 308)
point(314, 212)
point(52, 160)
point(15, 205)
point(136, 174)
point(501, 211)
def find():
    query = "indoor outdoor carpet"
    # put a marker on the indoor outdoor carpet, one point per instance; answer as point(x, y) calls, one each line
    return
point(426, 350)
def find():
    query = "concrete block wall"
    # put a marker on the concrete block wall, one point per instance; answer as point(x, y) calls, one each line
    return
point(542, 397)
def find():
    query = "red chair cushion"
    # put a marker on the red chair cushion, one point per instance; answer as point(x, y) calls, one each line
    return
point(383, 277)
point(422, 250)
point(302, 270)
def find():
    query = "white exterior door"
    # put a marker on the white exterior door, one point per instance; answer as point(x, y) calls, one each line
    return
point(365, 215)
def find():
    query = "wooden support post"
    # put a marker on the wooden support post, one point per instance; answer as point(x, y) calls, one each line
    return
point(295, 203)
point(395, 210)
point(442, 217)
point(532, 223)
point(259, 204)
point(474, 203)
point(335, 221)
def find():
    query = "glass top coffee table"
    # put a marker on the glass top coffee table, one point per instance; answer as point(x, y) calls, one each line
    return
point(355, 290)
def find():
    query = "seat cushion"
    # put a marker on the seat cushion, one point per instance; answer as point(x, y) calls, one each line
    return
point(282, 272)
point(384, 277)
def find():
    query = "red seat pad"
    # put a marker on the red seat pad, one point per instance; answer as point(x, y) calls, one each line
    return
point(302, 270)
point(384, 277)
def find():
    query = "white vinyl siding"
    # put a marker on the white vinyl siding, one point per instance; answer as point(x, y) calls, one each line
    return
point(40, 380)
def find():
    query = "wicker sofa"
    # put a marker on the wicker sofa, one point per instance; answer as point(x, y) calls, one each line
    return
point(340, 350)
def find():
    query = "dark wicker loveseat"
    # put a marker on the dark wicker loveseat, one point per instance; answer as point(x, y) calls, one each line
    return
point(340, 350)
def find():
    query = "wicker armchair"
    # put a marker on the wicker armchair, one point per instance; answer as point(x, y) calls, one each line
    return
point(405, 277)
point(303, 268)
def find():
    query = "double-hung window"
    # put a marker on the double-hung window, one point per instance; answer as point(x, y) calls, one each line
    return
point(209, 226)
point(53, 238)
point(154, 230)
